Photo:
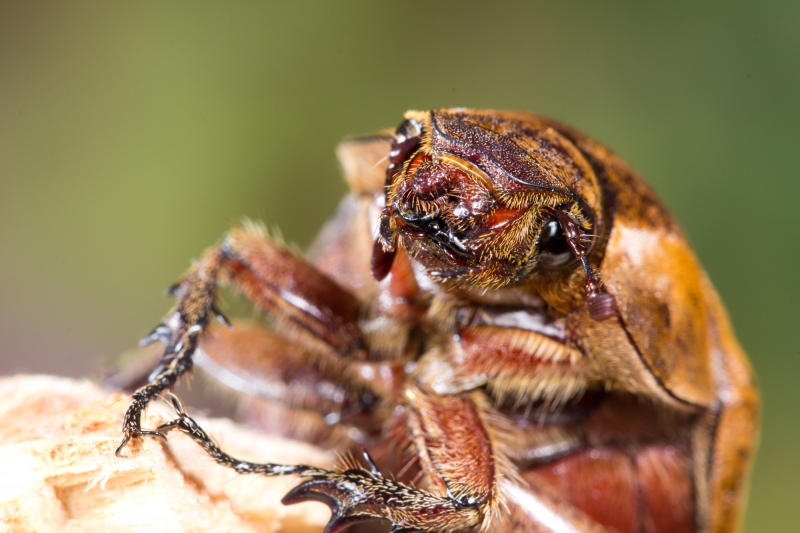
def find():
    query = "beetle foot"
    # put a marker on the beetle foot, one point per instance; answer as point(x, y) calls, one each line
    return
point(348, 496)
point(353, 495)
point(132, 430)
point(346, 501)
point(176, 362)
point(189, 427)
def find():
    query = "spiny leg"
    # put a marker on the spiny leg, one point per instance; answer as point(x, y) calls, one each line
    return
point(353, 494)
point(357, 494)
point(186, 425)
point(277, 281)
point(458, 455)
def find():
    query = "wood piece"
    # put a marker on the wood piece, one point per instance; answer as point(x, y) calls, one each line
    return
point(58, 472)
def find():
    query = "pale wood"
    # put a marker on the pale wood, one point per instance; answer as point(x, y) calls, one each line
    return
point(58, 472)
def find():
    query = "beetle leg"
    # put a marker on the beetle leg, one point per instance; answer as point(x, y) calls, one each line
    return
point(354, 495)
point(466, 485)
point(468, 476)
point(277, 281)
point(186, 425)
point(463, 480)
point(284, 389)
point(459, 441)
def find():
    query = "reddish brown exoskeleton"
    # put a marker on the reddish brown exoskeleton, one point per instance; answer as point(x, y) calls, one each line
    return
point(502, 310)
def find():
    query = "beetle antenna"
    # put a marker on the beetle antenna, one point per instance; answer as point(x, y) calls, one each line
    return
point(601, 304)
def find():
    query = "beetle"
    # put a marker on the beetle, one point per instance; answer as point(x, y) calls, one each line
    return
point(501, 310)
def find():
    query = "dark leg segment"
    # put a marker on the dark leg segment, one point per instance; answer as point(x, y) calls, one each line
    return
point(180, 332)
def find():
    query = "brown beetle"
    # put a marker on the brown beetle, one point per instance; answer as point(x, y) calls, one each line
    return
point(501, 309)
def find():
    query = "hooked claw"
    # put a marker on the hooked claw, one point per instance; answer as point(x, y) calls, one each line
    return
point(342, 498)
point(132, 435)
point(357, 495)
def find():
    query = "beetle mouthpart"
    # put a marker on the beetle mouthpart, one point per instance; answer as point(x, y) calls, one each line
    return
point(439, 202)
point(434, 228)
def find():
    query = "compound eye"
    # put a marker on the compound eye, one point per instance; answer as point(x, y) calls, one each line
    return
point(406, 141)
point(554, 250)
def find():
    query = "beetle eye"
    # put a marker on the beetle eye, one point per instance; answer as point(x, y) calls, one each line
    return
point(554, 250)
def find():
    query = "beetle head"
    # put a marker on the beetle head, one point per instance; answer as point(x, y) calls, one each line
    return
point(488, 200)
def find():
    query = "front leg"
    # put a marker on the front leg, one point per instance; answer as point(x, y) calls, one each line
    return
point(459, 457)
point(354, 494)
point(278, 282)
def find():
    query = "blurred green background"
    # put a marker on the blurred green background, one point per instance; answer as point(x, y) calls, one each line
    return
point(132, 135)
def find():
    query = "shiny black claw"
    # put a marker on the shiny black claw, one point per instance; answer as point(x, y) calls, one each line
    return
point(304, 493)
point(132, 435)
point(342, 498)
point(357, 495)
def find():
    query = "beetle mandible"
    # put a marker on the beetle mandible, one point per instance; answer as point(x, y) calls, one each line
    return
point(500, 308)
